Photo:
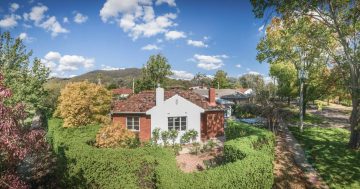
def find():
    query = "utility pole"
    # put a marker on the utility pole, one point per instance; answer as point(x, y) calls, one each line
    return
point(218, 85)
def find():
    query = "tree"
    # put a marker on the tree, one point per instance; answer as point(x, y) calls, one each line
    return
point(286, 77)
point(82, 103)
point(25, 157)
point(220, 80)
point(341, 19)
point(26, 82)
point(200, 79)
point(253, 81)
point(154, 72)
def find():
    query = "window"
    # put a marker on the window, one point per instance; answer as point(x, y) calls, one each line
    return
point(133, 123)
point(177, 123)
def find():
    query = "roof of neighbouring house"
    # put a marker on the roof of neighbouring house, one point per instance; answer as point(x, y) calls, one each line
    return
point(121, 91)
point(222, 92)
point(145, 100)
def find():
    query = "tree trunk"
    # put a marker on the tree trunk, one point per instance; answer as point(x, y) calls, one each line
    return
point(355, 117)
point(305, 101)
point(288, 101)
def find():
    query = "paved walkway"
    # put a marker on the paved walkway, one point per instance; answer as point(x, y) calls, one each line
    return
point(300, 159)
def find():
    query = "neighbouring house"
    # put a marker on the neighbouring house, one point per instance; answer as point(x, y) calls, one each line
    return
point(229, 97)
point(121, 93)
point(172, 109)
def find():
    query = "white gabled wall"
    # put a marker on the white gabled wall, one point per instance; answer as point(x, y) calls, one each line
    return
point(173, 107)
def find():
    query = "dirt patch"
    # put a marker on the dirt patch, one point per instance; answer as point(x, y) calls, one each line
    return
point(191, 162)
point(287, 173)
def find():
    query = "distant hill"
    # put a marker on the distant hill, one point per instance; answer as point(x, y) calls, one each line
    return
point(119, 78)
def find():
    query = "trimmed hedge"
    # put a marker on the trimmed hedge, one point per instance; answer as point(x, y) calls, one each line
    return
point(249, 153)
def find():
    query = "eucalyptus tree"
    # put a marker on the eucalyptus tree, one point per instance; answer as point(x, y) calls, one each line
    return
point(156, 70)
point(342, 20)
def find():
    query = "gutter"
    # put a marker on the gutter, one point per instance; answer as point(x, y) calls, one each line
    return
point(111, 113)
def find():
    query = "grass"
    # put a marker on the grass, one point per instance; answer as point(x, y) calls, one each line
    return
point(309, 119)
point(327, 150)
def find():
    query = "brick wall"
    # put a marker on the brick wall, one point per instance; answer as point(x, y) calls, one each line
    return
point(145, 124)
point(212, 124)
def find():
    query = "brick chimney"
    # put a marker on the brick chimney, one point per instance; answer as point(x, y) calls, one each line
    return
point(212, 97)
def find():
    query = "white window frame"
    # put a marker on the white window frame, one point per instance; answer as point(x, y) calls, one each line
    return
point(132, 117)
point(180, 121)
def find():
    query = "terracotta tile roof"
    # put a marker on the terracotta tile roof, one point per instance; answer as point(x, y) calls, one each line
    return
point(121, 91)
point(145, 100)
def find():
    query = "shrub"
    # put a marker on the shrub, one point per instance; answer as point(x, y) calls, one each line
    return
point(173, 134)
point(165, 135)
point(195, 148)
point(209, 146)
point(82, 103)
point(246, 110)
point(110, 136)
point(156, 136)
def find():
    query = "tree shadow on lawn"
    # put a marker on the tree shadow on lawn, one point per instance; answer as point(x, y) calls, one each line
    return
point(327, 150)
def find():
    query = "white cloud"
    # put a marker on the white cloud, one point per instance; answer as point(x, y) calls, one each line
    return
point(59, 64)
point(169, 2)
point(9, 21)
point(73, 62)
point(261, 28)
point(53, 56)
point(14, 7)
point(109, 68)
point(150, 47)
point(112, 8)
point(25, 37)
point(137, 17)
point(208, 62)
point(51, 24)
point(80, 18)
point(254, 73)
point(37, 13)
point(238, 65)
point(196, 43)
point(65, 20)
point(173, 35)
point(54, 26)
point(184, 75)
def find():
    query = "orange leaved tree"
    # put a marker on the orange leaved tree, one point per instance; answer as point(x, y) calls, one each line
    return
point(82, 103)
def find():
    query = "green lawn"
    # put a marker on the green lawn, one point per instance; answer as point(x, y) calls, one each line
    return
point(309, 119)
point(327, 151)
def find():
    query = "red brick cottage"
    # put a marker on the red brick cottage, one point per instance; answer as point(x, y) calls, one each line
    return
point(173, 109)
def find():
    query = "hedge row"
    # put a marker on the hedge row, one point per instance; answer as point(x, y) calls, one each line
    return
point(248, 152)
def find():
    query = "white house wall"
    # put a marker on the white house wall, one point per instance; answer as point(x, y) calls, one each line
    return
point(174, 107)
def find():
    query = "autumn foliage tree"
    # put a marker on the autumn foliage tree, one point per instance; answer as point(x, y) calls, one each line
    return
point(25, 156)
point(82, 103)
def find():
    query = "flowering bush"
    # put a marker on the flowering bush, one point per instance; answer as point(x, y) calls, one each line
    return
point(110, 136)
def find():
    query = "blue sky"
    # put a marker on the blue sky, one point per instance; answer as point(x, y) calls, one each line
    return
point(75, 36)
